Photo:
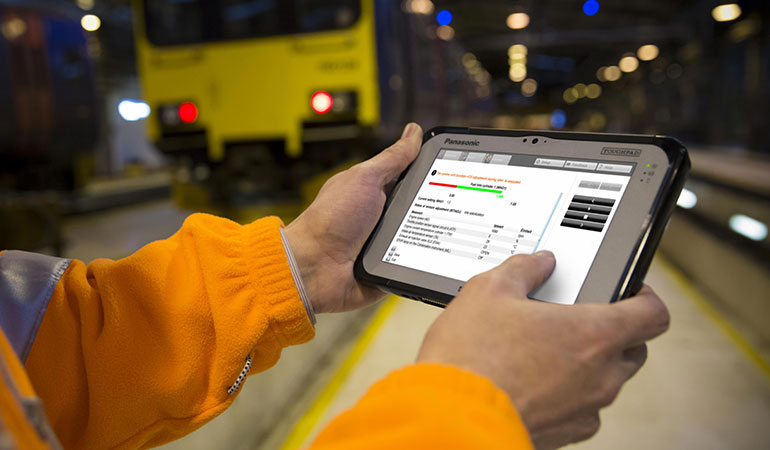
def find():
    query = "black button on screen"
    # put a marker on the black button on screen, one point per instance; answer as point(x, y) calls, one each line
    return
point(600, 218)
point(589, 208)
point(593, 200)
point(582, 225)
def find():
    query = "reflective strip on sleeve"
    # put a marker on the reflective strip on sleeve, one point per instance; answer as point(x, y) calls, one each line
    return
point(27, 281)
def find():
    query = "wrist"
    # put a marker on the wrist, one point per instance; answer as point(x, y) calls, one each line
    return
point(302, 249)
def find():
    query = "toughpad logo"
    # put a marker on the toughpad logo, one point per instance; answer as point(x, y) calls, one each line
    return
point(615, 151)
point(459, 142)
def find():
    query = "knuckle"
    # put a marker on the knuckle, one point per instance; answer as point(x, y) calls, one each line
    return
point(608, 394)
point(589, 428)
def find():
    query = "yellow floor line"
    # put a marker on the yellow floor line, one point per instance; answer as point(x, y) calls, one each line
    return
point(721, 323)
point(310, 419)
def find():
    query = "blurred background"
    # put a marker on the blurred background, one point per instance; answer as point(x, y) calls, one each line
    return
point(118, 118)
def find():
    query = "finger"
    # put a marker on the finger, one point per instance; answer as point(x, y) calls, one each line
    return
point(524, 273)
point(632, 359)
point(389, 163)
point(640, 318)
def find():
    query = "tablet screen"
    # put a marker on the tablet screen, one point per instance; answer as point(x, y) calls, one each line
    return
point(475, 209)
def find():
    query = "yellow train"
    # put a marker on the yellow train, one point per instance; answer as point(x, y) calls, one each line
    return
point(252, 96)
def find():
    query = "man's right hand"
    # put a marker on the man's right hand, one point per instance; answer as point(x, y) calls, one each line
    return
point(559, 364)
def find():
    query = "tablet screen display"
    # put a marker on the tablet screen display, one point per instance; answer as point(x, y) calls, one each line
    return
point(475, 209)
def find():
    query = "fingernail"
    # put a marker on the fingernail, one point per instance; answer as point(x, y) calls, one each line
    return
point(544, 253)
point(409, 130)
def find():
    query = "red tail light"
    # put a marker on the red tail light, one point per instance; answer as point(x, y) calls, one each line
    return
point(321, 102)
point(188, 112)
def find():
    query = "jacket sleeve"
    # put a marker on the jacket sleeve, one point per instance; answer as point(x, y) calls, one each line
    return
point(140, 351)
point(428, 406)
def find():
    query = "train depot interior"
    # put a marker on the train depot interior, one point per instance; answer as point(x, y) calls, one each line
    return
point(120, 118)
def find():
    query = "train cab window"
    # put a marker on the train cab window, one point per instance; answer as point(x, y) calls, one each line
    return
point(174, 22)
point(251, 18)
point(180, 22)
point(317, 15)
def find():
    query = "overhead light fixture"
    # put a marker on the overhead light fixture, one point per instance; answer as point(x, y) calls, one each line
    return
point(597, 121)
point(600, 73)
point(580, 88)
point(748, 227)
point(90, 22)
point(469, 60)
point(517, 51)
point(423, 7)
point(85, 4)
point(517, 21)
point(612, 73)
point(528, 87)
point(593, 91)
point(687, 199)
point(13, 28)
point(518, 72)
point(628, 63)
point(726, 12)
point(445, 32)
point(570, 95)
point(648, 52)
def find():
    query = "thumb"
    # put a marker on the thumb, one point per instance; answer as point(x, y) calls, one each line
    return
point(389, 163)
point(524, 273)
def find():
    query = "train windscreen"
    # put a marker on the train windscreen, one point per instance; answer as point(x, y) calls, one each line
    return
point(182, 22)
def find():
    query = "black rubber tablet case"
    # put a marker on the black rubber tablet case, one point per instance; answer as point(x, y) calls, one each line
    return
point(662, 208)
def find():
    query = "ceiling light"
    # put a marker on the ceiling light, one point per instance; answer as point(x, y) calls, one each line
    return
point(13, 28)
point(90, 22)
point(517, 51)
point(580, 88)
point(726, 13)
point(517, 21)
point(468, 60)
point(445, 32)
point(528, 87)
point(518, 72)
point(85, 4)
point(648, 52)
point(570, 95)
point(749, 227)
point(612, 73)
point(423, 7)
point(687, 199)
point(593, 91)
point(628, 63)
point(600, 73)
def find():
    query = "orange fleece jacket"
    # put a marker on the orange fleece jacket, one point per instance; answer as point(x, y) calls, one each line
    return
point(141, 351)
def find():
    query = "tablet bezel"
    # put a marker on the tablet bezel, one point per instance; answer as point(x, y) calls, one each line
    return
point(630, 241)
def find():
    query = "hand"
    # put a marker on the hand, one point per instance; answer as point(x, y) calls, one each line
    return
point(327, 237)
point(559, 364)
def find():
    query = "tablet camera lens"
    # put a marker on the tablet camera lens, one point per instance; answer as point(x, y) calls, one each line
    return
point(525, 139)
point(534, 141)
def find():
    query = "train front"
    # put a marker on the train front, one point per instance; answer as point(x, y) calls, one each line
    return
point(250, 96)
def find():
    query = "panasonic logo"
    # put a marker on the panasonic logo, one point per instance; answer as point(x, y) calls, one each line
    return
point(459, 142)
point(615, 151)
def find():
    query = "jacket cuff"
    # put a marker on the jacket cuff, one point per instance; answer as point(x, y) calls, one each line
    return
point(289, 320)
point(468, 388)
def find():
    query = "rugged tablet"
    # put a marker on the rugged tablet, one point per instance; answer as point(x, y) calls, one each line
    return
point(474, 197)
